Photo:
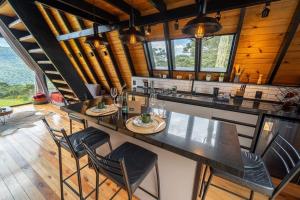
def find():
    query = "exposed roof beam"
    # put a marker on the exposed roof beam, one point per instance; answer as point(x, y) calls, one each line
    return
point(292, 29)
point(159, 5)
point(168, 49)
point(123, 6)
point(81, 9)
point(83, 33)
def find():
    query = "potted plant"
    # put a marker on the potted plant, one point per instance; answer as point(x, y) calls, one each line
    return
point(221, 77)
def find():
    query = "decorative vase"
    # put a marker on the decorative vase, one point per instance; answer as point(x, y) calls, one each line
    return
point(236, 79)
point(259, 81)
point(208, 77)
point(221, 78)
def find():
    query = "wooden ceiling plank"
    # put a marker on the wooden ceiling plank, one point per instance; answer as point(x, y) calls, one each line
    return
point(159, 5)
point(74, 11)
point(78, 45)
point(67, 44)
point(129, 59)
point(292, 29)
point(101, 64)
point(123, 6)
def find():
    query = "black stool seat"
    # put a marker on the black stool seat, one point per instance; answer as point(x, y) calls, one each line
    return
point(256, 178)
point(250, 160)
point(92, 136)
point(138, 162)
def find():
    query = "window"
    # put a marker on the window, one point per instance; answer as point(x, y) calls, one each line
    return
point(16, 79)
point(158, 55)
point(184, 54)
point(215, 53)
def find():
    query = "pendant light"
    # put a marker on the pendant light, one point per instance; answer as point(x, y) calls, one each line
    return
point(202, 25)
point(95, 41)
point(131, 36)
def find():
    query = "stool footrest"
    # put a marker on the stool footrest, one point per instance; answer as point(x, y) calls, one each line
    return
point(75, 172)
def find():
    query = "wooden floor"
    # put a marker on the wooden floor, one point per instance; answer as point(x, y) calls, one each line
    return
point(29, 166)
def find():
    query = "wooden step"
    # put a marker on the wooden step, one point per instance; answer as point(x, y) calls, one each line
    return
point(37, 51)
point(65, 89)
point(17, 24)
point(44, 62)
point(59, 81)
point(52, 72)
point(27, 38)
point(71, 97)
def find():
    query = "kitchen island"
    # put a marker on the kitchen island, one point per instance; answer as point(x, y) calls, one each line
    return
point(183, 147)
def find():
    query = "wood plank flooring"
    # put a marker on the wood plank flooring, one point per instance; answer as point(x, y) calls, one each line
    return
point(29, 166)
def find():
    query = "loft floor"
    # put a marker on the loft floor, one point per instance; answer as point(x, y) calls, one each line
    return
point(29, 166)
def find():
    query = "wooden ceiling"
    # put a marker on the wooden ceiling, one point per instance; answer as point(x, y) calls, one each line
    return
point(111, 66)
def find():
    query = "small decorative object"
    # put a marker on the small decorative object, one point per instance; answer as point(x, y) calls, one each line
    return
point(221, 77)
point(259, 81)
point(164, 76)
point(238, 72)
point(190, 76)
point(101, 105)
point(208, 77)
point(40, 98)
point(146, 118)
point(179, 77)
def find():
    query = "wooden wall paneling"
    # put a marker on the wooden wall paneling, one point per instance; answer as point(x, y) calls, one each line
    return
point(288, 38)
point(49, 18)
point(257, 41)
point(129, 59)
point(289, 70)
point(114, 62)
point(75, 45)
point(121, 57)
point(157, 33)
point(139, 60)
point(7, 10)
point(106, 81)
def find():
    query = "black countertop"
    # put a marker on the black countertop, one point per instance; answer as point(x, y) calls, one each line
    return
point(209, 141)
point(248, 106)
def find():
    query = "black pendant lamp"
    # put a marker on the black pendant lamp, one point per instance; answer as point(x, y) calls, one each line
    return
point(202, 25)
point(95, 41)
point(132, 36)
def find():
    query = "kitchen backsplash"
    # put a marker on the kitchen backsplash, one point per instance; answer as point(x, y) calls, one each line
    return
point(270, 93)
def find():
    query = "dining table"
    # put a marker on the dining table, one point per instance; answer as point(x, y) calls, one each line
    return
point(204, 141)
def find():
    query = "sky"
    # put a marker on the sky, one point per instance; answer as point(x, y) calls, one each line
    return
point(3, 43)
point(180, 44)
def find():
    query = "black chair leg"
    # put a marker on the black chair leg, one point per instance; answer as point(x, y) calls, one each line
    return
point(203, 181)
point(110, 146)
point(79, 179)
point(207, 185)
point(158, 181)
point(251, 195)
point(97, 185)
point(60, 174)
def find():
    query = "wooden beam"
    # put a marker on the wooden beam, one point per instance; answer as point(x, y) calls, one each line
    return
point(159, 5)
point(80, 48)
point(80, 12)
point(292, 29)
point(124, 7)
point(32, 19)
point(114, 61)
point(101, 64)
point(83, 33)
point(148, 58)
point(68, 46)
point(168, 49)
point(129, 60)
point(235, 43)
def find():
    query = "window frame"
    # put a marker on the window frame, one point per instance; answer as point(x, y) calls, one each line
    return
point(151, 57)
point(230, 55)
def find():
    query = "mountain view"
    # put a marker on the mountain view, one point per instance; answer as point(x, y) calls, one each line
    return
point(16, 79)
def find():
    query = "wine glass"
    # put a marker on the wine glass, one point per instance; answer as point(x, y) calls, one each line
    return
point(119, 101)
point(114, 94)
point(162, 109)
point(153, 99)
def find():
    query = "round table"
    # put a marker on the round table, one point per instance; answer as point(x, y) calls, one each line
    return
point(4, 112)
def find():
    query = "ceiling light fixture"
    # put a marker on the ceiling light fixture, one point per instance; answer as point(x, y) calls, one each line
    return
point(202, 25)
point(148, 30)
point(176, 25)
point(95, 41)
point(132, 36)
point(266, 10)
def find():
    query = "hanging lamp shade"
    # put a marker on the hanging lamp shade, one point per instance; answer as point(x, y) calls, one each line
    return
point(202, 26)
point(132, 36)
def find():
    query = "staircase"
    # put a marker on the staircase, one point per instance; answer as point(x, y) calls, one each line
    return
point(22, 35)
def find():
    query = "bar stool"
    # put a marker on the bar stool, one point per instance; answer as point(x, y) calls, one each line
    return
point(127, 166)
point(93, 137)
point(74, 117)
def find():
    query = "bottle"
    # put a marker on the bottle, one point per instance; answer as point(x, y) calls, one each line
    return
point(125, 104)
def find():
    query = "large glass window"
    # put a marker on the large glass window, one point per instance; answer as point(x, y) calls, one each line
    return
point(158, 53)
point(16, 79)
point(215, 53)
point(184, 54)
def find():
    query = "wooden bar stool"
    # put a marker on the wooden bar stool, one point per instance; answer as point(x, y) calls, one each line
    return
point(76, 118)
point(93, 138)
point(127, 166)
